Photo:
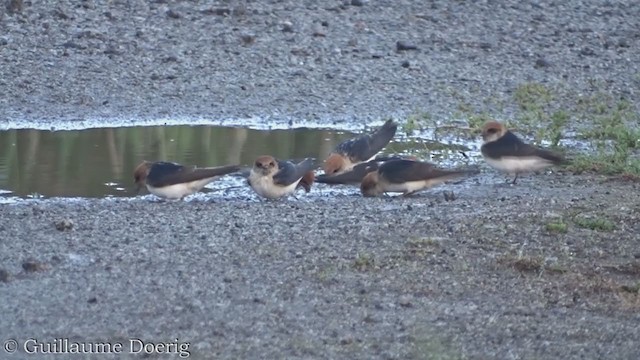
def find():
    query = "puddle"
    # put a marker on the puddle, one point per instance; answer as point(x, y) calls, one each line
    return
point(98, 162)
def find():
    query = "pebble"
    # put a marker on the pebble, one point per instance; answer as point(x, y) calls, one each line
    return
point(173, 14)
point(5, 276)
point(34, 266)
point(65, 224)
point(542, 63)
point(287, 26)
point(405, 46)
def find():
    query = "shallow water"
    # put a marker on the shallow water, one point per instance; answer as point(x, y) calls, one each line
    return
point(98, 162)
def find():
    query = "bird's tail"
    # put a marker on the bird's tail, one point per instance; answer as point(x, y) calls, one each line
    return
point(306, 168)
point(242, 172)
point(552, 157)
point(461, 172)
point(217, 171)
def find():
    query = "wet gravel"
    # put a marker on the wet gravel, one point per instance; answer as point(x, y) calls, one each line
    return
point(341, 278)
point(483, 276)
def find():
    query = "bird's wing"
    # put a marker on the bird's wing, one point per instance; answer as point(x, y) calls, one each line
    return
point(354, 176)
point(166, 173)
point(364, 147)
point(511, 145)
point(289, 172)
point(400, 171)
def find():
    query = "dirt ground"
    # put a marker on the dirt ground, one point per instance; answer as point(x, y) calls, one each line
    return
point(546, 269)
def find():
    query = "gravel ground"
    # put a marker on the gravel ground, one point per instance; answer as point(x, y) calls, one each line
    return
point(484, 276)
point(307, 60)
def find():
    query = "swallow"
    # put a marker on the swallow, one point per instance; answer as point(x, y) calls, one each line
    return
point(358, 172)
point(174, 181)
point(273, 178)
point(504, 151)
point(358, 150)
point(407, 177)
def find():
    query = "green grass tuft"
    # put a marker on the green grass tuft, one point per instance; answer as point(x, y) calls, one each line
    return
point(559, 227)
point(599, 224)
point(417, 121)
point(532, 96)
point(364, 262)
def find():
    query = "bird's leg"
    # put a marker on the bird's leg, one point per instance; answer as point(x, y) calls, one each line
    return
point(408, 193)
point(515, 179)
point(228, 188)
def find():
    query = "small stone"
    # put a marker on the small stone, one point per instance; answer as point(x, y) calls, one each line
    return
point(287, 26)
point(318, 31)
point(404, 46)
point(608, 44)
point(4, 276)
point(239, 10)
point(72, 45)
point(33, 266)
point(370, 319)
point(60, 14)
point(217, 11)
point(92, 300)
point(587, 51)
point(346, 340)
point(406, 64)
point(170, 58)
point(173, 14)
point(357, 2)
point(405, 301)
point(223, 12)
point(623, 43)
point(449, 195)
point(14, 6)
point(542, 63)
point(485, 46)
point(112, 50)
point(248, 39)
point(65, 224)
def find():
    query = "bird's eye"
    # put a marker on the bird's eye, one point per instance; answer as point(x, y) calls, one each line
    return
point(272, 164)
point(492, 130)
